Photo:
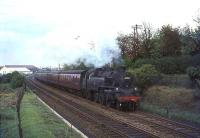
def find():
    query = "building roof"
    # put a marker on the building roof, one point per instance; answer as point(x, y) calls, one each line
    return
point(30, 67)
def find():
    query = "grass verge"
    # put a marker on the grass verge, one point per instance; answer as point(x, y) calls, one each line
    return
point(8, 116)
point(39, 121)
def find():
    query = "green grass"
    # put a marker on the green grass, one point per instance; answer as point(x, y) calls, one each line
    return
point(152, 109)
point(179, 101)
point(39, 122)
point(8, 118)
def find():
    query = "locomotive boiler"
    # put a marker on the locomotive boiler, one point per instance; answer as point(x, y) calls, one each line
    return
point(110, 87)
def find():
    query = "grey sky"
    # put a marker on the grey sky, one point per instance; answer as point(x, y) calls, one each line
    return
point(43, 32)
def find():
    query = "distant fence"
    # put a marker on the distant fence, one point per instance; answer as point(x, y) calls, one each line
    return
point(176, 80)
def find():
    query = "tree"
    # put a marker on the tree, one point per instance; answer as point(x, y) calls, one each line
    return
point(80, 64)
point(17, 80)
point(6, 78)
point(197, 19)
point(129, 46)
point(136, 44)
point(187, 40)
point(146, 38)
point(196, 39)
point(170, 41)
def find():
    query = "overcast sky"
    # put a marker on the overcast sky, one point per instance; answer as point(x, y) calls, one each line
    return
point(52, 32)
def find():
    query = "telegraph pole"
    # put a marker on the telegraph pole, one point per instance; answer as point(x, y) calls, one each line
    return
point(135, 38)
point(135, 29)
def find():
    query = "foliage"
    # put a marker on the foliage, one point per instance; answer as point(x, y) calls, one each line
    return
point(155, 51)
point(166, 42)
point(147, 41)
point(166, 65)
point(196, 39)
point(187, 40)
point(137, 43)
point(38, 121)
point(128, 62)
point(169, 98)
point(79, 65)
point(8, 116)
point(165, 95)
point(196, 35)
point(138, 63)
point(170, 41)
point(193, 72)
point(129, 46)
point(17, 80)
point(145, 75)
point(6, 78)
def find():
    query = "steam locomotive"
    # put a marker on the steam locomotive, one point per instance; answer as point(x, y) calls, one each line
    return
point(110, 87)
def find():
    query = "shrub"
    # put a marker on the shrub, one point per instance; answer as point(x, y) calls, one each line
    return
point(193, 72)
point(17, 80)
point(6, 78)
point(169, 97)
point(167, 65)
point(183, 62)
point(195, 60)
point(145, 75)
point(138, 63)
point(197, 90)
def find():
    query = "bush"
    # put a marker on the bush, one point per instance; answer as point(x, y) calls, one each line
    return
point(169, 97)
point(193, 73)
point(145, 75)
point(17, 80)
point(183, 62)
point(138, 63)
point(167, 65)
point(195, 60)
point(6, 78)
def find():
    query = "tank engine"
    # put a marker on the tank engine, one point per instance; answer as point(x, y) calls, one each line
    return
point(107, 86)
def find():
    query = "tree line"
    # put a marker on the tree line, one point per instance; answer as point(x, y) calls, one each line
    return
point(164, 42)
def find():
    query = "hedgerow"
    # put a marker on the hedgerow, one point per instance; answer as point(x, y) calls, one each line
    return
point(145, 75)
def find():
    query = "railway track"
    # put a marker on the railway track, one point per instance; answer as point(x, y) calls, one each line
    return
point(186, 130)
point(109, 127)
point(150, 125)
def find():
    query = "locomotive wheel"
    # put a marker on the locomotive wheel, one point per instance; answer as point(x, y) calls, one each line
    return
point(134, 106)
point(107, 100)
point(118, 107)
point(102, 99)
point(88, 95)
point(96, 97)
point(108, 103)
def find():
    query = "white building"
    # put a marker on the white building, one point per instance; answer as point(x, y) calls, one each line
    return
point(24, 69)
